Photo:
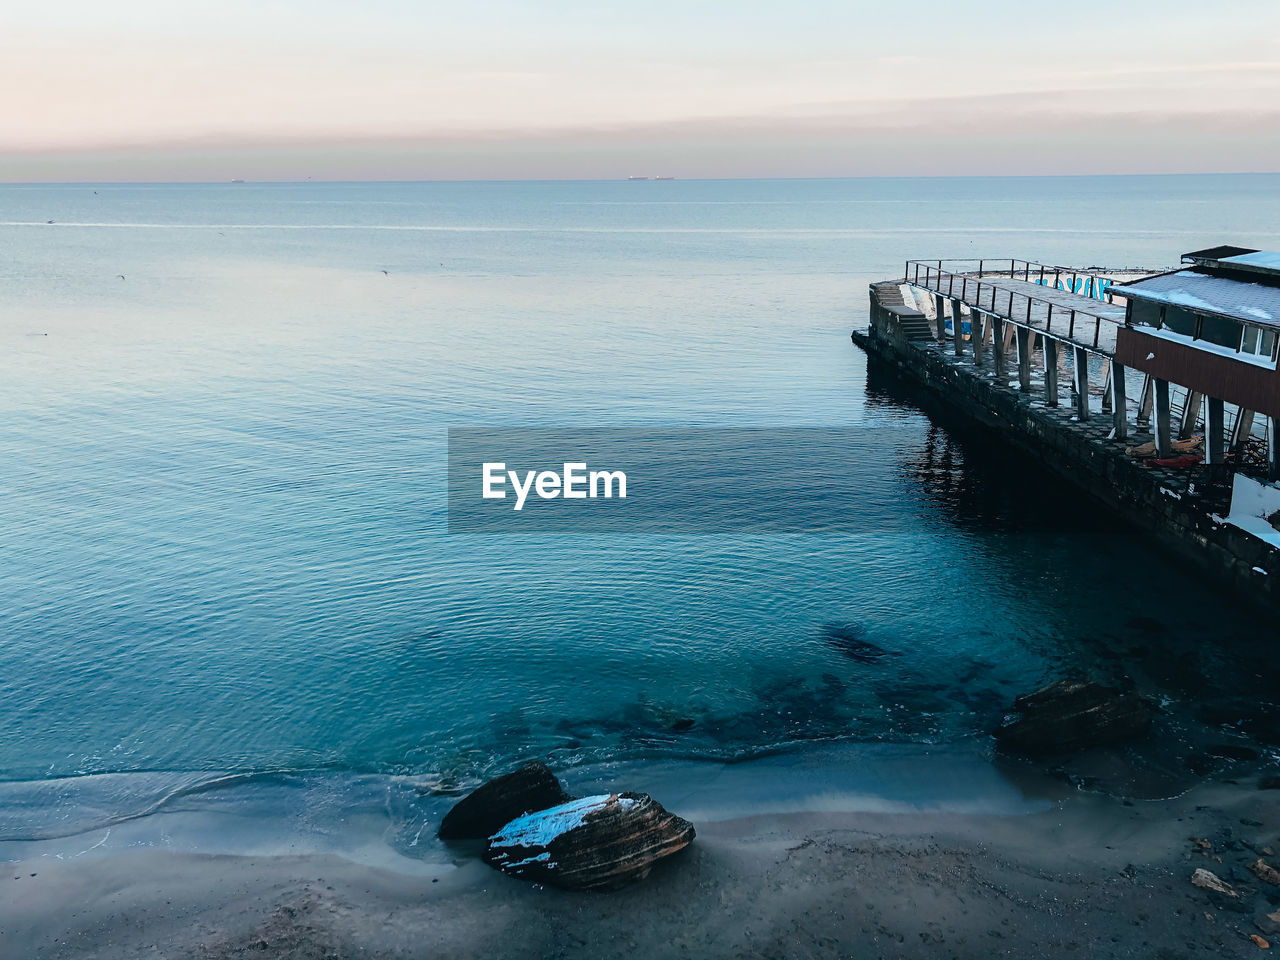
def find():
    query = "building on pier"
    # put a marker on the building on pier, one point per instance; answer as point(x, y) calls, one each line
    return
point(1213, 328)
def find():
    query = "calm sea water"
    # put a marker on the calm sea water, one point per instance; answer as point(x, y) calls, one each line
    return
point(223, 412)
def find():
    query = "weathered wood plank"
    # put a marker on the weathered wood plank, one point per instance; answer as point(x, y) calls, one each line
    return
point(1119, 403)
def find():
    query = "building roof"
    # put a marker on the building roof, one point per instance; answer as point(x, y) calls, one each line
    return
point(1204, 292)
point(1259, 261)
point(1246, 262)
point(1212, 255)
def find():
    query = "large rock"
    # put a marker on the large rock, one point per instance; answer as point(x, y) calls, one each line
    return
point(484, 810)
point(1074, 715)
point(596, 843)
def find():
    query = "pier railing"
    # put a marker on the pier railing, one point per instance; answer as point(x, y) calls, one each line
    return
point(1071, 279)
point(977, 283)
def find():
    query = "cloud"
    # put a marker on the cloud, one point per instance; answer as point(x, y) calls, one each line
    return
point(383, 103)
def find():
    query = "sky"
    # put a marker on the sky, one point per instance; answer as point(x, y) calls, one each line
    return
point(157, 90)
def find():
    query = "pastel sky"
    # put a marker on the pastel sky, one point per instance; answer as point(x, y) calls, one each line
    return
point(416, 89)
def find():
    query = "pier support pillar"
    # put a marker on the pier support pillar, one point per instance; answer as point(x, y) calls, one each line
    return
point(999, 349)
point(1273, 448)
point(957, 328)
point(977, 334)
point(1082, 383)
point(1146, 401)
point(1190, 413)
point(1119, 403)
point(1024, 359)
point(1214, 423)
point(1243, 429)
point(1050, 372)
point(1164, 428)
point(939, 305)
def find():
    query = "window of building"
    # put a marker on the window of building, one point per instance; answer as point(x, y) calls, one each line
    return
point(1144, 313)
point(1258, 341)
point(1181, 321)
point(1220, 330)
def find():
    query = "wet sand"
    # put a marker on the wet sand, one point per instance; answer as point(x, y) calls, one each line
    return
point(1091, 877)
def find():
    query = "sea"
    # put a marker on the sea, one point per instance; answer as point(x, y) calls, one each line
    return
point(232, 605)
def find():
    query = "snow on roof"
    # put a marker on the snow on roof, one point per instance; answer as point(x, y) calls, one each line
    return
point(1255, 303)
point(1267, 259)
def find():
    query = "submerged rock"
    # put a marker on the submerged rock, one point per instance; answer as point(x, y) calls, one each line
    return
point(596, 843)
point(484, 810)
point(850, 640)
point(1268, 923)
point(1265, 872)
point(1211, 881)
point(1074, 715)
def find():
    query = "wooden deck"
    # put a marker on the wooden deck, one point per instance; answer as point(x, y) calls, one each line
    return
point(1067, 317)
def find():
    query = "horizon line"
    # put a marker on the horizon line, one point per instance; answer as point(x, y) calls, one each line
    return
point(623, 179)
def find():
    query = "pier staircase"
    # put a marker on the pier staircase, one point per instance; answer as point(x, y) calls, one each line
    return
point(913, 324)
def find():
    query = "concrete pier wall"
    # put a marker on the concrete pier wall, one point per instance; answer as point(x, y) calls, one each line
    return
point(1163, 503)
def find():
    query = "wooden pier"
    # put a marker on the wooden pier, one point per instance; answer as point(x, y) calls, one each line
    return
point(1016, 307)
point(1019, 308)
point(1038, 305)
point(1038, 365)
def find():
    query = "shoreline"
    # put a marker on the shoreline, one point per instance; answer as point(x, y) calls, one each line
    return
point(833, 850)
point(390, 821)
point(1092, 875)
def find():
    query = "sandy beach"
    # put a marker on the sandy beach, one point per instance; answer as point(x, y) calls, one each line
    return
point(1090, 876)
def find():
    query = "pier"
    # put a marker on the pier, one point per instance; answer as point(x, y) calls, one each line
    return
point(1160, 404)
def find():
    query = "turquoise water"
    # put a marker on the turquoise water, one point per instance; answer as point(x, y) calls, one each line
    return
point(223, 412)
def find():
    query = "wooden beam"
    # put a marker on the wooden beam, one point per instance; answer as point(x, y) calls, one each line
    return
point(977, 334)
point(1106, 385)
point(1214, 429)
point(940, 323)
point(1190, 413)
point(1243, 429)
point(957, 328)
point(1082, 383)
point(1146, 401)
point(1119, 403)
point(1164, 426)
point(1050, 372)
point(999, 347)
point(1024, 359)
